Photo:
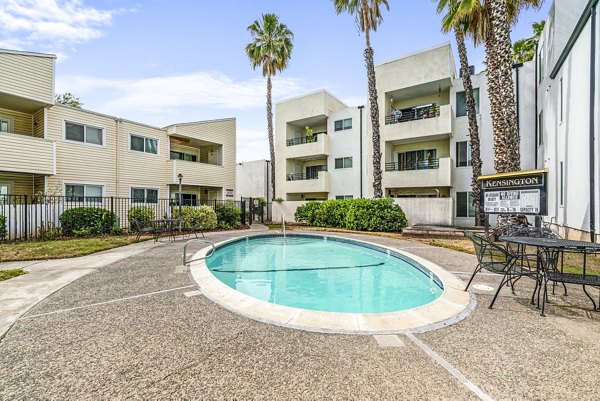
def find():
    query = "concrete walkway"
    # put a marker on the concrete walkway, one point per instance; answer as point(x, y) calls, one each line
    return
point(135, 329)
point(45, 277)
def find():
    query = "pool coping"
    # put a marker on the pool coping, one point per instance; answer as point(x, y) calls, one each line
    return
point(452, 306)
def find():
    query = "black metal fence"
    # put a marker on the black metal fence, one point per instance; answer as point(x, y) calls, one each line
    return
point(305, 139)
point(25, 217)
point(412, 113)
point(413, 165)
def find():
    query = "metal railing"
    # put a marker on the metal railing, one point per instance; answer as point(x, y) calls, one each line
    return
point(27, 217)
point(418, 165)
point(305, 139)
point(302, 176)
point(413, 113)
point(186, 261)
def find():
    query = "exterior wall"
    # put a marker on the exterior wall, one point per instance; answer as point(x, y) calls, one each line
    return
point(20, 123)
point(253, 179)
point(139, 169)
point(427, 211)
point(21, 183)
point(221, 132)
point(566, 139)
point(80, 163)
point(25, 154)
point(27, 75)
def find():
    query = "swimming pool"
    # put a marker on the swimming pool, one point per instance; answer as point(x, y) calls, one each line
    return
point(324, 274)
point(329, 283)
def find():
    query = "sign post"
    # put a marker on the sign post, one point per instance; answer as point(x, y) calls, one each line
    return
point(520, 193)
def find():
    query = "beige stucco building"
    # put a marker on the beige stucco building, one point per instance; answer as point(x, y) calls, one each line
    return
point(59, 150)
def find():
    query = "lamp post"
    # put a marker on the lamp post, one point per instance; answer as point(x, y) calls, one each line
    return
point(180, 177)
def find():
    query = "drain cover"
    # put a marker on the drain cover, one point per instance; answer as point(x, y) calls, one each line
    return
point(483, 287)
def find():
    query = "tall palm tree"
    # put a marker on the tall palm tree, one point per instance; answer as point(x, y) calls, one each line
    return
point(489, 22)
point(448, 24)
point(271, 49)
point(368, 17)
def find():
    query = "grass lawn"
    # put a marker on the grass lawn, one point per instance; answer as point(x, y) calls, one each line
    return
point(6, 274)
point(57, 249)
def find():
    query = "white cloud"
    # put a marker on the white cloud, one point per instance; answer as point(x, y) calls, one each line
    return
point(157, 96)
point(252, 145)
point(51, 25)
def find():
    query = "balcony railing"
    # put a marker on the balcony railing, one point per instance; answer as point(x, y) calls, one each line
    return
point(413, 113)
point(301, 176)
point(305, 139)
point(418, 165)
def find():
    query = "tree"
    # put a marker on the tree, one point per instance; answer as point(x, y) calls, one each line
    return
point(449, 24)
point(68, 99)
point(368, 17)
point(523, 50)
point(271, 49)
point(489, 22)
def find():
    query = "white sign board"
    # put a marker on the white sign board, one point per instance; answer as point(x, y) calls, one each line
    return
point(229, 192)
point(512, 201)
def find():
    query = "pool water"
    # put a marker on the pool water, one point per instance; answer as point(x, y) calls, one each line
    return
point(322, 274)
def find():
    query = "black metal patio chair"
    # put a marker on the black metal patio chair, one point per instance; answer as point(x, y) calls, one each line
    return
point(501, 259)
point(141, 228)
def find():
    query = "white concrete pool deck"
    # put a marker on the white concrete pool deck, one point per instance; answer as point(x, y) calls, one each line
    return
point(452, 306)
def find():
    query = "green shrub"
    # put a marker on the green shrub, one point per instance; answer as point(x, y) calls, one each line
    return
point(375, 215)
point(3, 230)
point(201, 218)
point(354, 214)
point(307, 213)
point(228, 216)
point(87, 221)
point(331, 213)
point(143, 214)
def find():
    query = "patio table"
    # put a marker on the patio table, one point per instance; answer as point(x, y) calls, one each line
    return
point(549, 250)
point(165, 225)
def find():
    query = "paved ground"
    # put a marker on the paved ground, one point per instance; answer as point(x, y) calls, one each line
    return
point(127, 331)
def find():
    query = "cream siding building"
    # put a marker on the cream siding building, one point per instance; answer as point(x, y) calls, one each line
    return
point(60, 150)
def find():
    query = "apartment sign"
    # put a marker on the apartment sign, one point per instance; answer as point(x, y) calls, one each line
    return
point(523, 192)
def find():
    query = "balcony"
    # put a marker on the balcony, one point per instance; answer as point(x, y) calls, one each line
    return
point(308, 147)
point(434, 173)
point(301, 183)
point(27, 154)
point(428, 122)
point(195, 173)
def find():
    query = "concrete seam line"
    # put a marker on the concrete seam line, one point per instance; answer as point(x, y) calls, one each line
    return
point(451, 369)
point(112, 301)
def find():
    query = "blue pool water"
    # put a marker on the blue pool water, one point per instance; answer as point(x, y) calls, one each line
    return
point(322, 274)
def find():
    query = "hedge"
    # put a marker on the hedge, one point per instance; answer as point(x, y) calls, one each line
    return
point(354, 214)
point(143, 214)
point(3, 231)
point(200, 218)
point(87, 221)
point(228, 215)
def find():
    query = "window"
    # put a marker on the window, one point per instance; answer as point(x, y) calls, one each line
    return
point(186, 199)
point(144, 195)
point(82, 192)
point(4, 124)
point(422, 159)
point(84, 133)
point(461, 103)
point(343, 162)
point(5, 188)
point(561, 100)
point(464, 204)
point(312, 172)
point(463, 154)
point(143, 144)
point(341, 125)
point(344, 197)
point(183, 156)
point(541, 128)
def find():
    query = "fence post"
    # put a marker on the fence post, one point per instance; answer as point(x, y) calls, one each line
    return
point(243, 212)
point(251, 210)
point(26, 222)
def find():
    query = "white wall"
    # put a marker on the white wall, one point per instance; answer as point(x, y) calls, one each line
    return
point(253, 179)
point(285, 208)
point(427, 211)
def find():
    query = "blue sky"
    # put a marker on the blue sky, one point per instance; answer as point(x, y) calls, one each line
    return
point(167, 61)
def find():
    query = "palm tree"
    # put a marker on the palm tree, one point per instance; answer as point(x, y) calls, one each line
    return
point(489, 22)
point(368, 17)
point(524, 49)
point(271, 48)
point(448, 24)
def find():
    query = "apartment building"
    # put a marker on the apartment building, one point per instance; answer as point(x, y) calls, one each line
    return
point(425, 148)
point(59, 150)
point(567, 88)
point(318, 148)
